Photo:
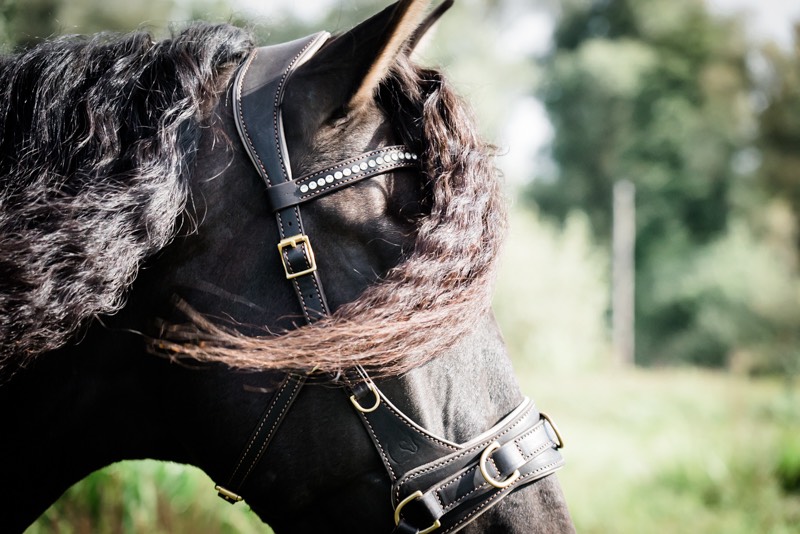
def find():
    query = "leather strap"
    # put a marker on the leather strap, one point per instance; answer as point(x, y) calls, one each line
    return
point(261, 437)
point(456, 488)
point(341, 175)
point(259, 89)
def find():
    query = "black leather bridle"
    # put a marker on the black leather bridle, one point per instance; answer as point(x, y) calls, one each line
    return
point(441, 485)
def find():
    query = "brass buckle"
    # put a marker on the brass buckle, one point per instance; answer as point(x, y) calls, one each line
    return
point(228, 495)
point(372, 408)
point(499, 484)
point(416, 495)
point(293, 242)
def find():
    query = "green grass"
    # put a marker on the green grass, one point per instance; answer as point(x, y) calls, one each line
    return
point(676, 451)
point(146, 497)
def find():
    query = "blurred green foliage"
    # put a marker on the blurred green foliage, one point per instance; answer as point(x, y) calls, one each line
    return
point(565, 290)
point(663, 94)
point(146, 497)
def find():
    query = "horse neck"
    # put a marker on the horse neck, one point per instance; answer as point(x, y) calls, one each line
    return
point(83, 407)
point(70, 412)
point(322, 469)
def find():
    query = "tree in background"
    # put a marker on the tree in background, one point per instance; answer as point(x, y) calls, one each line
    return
point(657, 93)
point(779, 125)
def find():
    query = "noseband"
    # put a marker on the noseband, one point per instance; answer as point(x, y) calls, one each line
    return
point(441, 485)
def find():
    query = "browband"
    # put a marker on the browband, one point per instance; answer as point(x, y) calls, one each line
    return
point(341, 175)
point(441, 485)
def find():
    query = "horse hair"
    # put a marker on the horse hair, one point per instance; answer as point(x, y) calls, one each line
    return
point(96, 138)
point(432, 298)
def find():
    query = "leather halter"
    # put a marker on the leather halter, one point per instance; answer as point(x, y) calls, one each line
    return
point(441, 485)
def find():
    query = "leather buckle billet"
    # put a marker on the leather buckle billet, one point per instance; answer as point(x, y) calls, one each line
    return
point(294, 242)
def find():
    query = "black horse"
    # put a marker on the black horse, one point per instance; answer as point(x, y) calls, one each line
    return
point(144, 312)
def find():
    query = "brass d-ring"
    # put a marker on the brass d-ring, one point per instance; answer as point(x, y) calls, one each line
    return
point(416, 495)
point(560, 444)
point(496, 483)
point(372, 408)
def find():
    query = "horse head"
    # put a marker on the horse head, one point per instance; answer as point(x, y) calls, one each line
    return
point(220, 357)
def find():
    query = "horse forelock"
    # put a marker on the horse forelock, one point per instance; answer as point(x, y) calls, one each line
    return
point(432, 298)
point(96, 135)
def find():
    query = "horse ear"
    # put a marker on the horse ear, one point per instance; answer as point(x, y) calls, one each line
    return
point(351, 65)
point(395, 27)
point(429, 21)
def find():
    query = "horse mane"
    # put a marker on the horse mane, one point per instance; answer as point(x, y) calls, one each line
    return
point(432, 298)
point(96, 136)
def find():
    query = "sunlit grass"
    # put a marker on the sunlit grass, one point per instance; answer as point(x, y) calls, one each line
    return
point(146, 497)
point(676, 451)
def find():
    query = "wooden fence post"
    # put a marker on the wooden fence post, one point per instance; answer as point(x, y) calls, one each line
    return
point(623, 273)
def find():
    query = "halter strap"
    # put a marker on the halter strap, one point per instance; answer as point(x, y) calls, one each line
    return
point(258, 92)
point(441, 485)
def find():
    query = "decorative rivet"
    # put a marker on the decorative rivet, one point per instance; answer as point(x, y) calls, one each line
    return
point(321, 182)
point(346, 171)
point(329, 178)
point(304, 188)
point(379, 159)
point(363, 166)
point(401, 155)
point(312, 185)
point(338, 175)
point(372, 163)
point(394, 156)
point(414, 156)
point(408, 155)
point(356, 168)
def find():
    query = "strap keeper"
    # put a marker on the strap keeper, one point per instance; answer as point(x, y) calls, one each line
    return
point(294, 242)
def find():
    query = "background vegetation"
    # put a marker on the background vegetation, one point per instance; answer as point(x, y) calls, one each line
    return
point(704, 434)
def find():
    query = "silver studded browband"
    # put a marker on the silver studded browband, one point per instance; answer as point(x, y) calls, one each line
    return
point(342, 174)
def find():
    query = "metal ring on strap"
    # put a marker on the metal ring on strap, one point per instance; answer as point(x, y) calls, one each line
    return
point(372, 408)
point(416, 495)
point(489, 478)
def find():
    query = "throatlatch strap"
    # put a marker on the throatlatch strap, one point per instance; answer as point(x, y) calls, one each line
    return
point(261, 437)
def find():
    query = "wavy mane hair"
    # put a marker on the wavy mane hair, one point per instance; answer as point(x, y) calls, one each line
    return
point(432, 298)
point(96, 137)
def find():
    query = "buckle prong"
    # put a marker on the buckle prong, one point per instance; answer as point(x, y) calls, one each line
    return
point(294, 241)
